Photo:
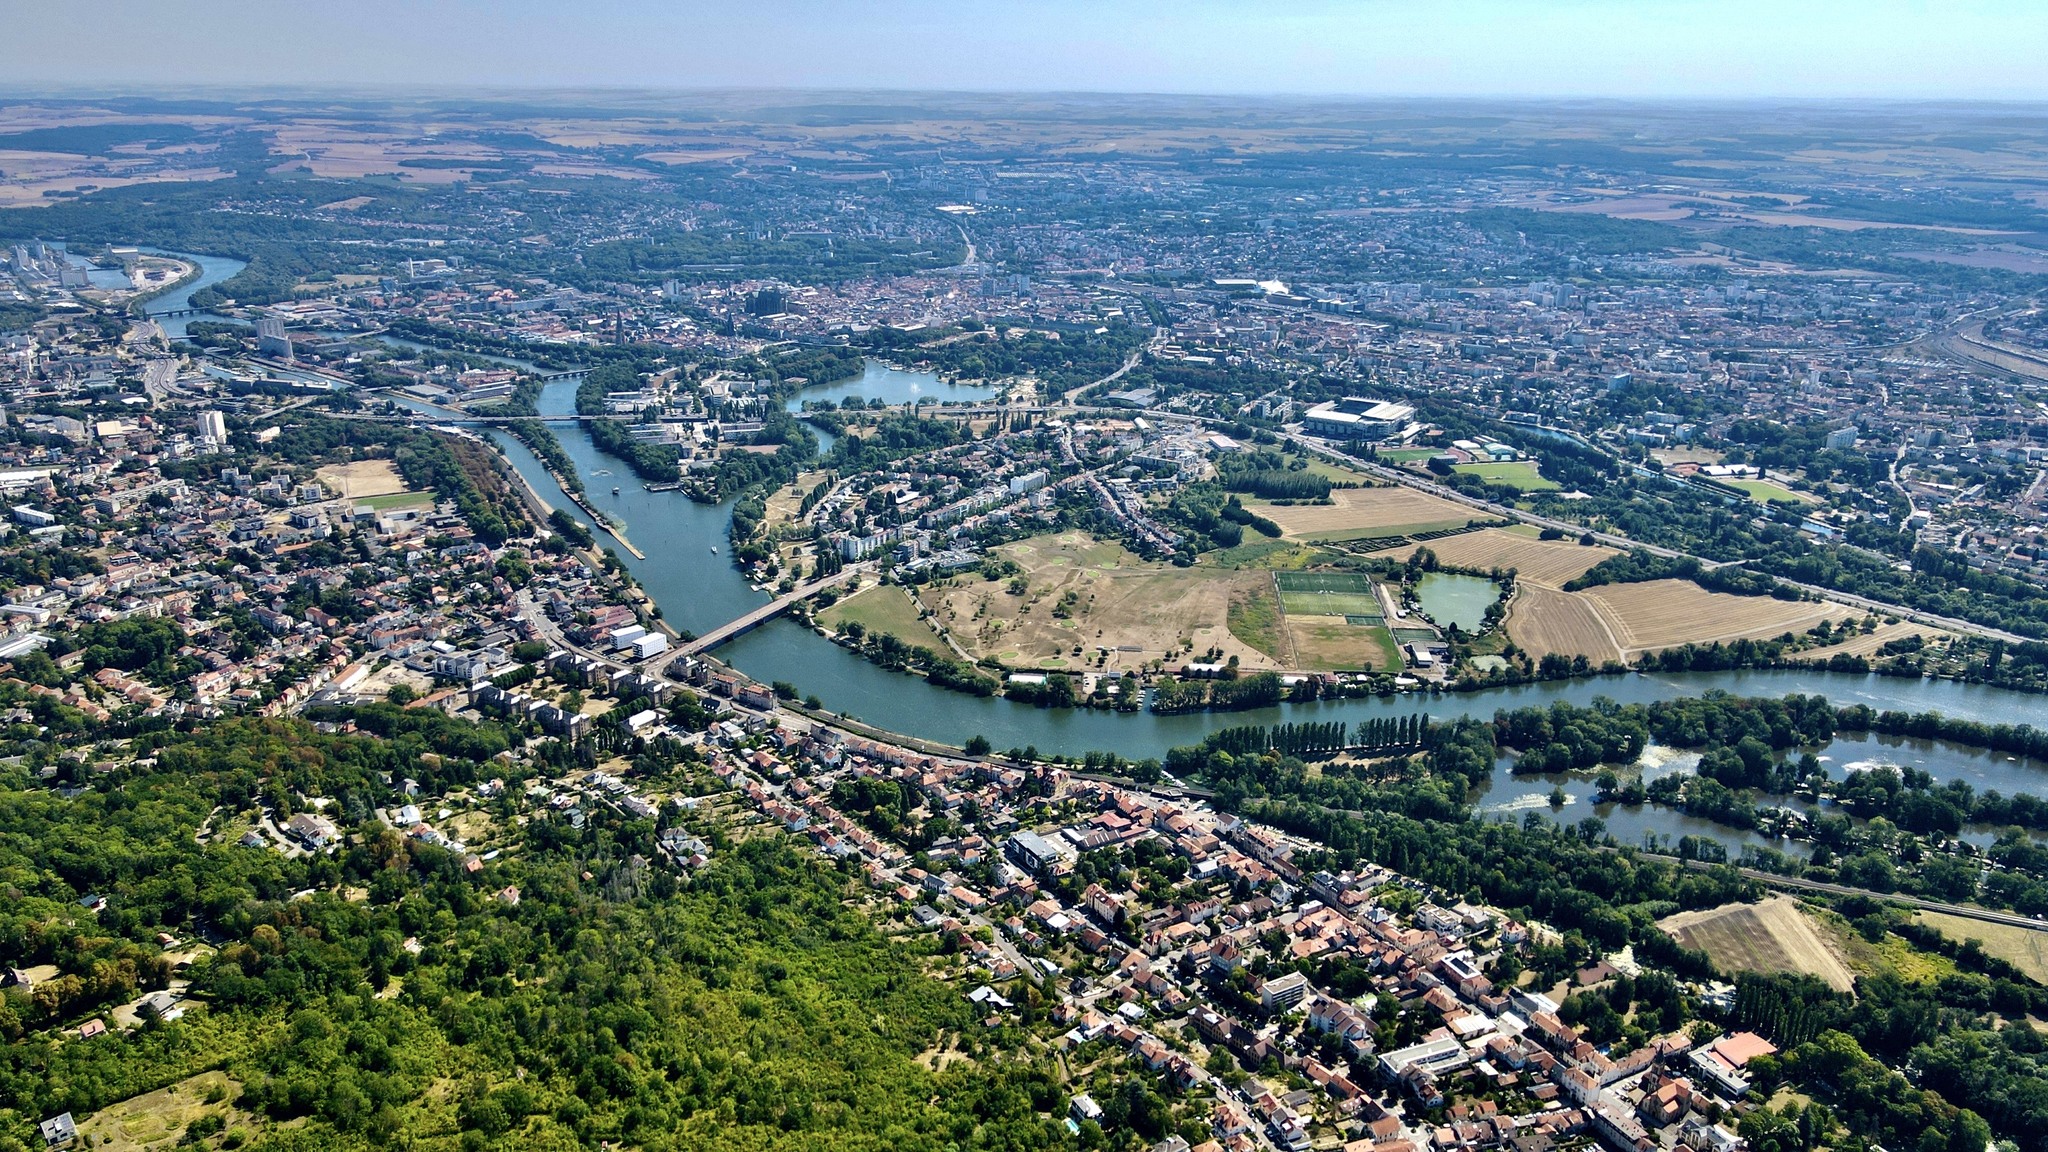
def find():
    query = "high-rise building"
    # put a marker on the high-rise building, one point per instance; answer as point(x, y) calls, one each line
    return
point(271, 339)
point(212, 426)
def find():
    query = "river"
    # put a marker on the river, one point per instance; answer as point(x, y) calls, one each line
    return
point(212, 270)
point(698, 589)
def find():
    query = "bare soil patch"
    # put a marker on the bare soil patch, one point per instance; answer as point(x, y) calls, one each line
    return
point(1774, 936)
point(361, 478)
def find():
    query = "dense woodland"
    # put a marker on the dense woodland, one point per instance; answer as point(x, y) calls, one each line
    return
point(749, 1007)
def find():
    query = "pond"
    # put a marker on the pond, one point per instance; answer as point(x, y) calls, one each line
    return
point(890, 385)
point(1449, 598)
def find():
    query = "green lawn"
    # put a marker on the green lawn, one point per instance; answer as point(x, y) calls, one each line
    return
point(885, 608)
point(1335, 474)
point(1765, 492)
point(1518, 474)
point(1408, 455)
point(1330, 604)
point(391, 500)
point(1323, 582)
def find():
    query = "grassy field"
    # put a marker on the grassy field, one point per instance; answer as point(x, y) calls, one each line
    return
point(1521, 475)
point(1765, 492)
point(1334, 622)
point(2023, 948)
point(1408, 455)
point(1254, 618)
point(1774, 936)
point(1334, 644)
point(1331, 604)
point(1328, 471)
point(394, 500)
point(158, 1119)
point(1082, 592)
point(884, 608)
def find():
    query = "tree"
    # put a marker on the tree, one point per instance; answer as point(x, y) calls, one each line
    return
point(977, 745)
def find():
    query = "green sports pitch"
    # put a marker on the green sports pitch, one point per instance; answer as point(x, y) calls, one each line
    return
point(1326, 594)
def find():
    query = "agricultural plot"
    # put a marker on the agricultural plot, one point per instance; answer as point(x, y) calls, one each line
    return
point(1666, 613)
point(1545, 621)
point(1549, 563)
point(1774, 936)
point(1357, 513)
point(1867, 644)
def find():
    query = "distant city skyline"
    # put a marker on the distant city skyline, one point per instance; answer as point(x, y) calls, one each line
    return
point(1883, 49)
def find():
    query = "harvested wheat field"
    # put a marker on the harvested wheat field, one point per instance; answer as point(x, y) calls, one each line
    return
point(361, 478)
point(1666, 613)
point(1774, 936)
point(1548, 563)
point(1544, 621)
point(1354, 513)
point(1082, 592)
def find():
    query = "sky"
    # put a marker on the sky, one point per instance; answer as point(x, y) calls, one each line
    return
point(1899, 49)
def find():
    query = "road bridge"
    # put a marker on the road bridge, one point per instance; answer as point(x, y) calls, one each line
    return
point(752, 620)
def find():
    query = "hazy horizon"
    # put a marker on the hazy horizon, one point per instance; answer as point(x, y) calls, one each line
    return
point(1665, 50)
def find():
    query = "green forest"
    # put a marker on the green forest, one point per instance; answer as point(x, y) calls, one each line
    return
point(748, 1007)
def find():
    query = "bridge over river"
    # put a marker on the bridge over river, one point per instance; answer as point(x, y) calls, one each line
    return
point(756, 618)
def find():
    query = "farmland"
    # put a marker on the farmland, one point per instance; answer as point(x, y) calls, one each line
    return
point(1774, 936)
point(1545, 621)
point(1549, 563)
point(1665, 613)
point(1355, 513)
point(1079, 592)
